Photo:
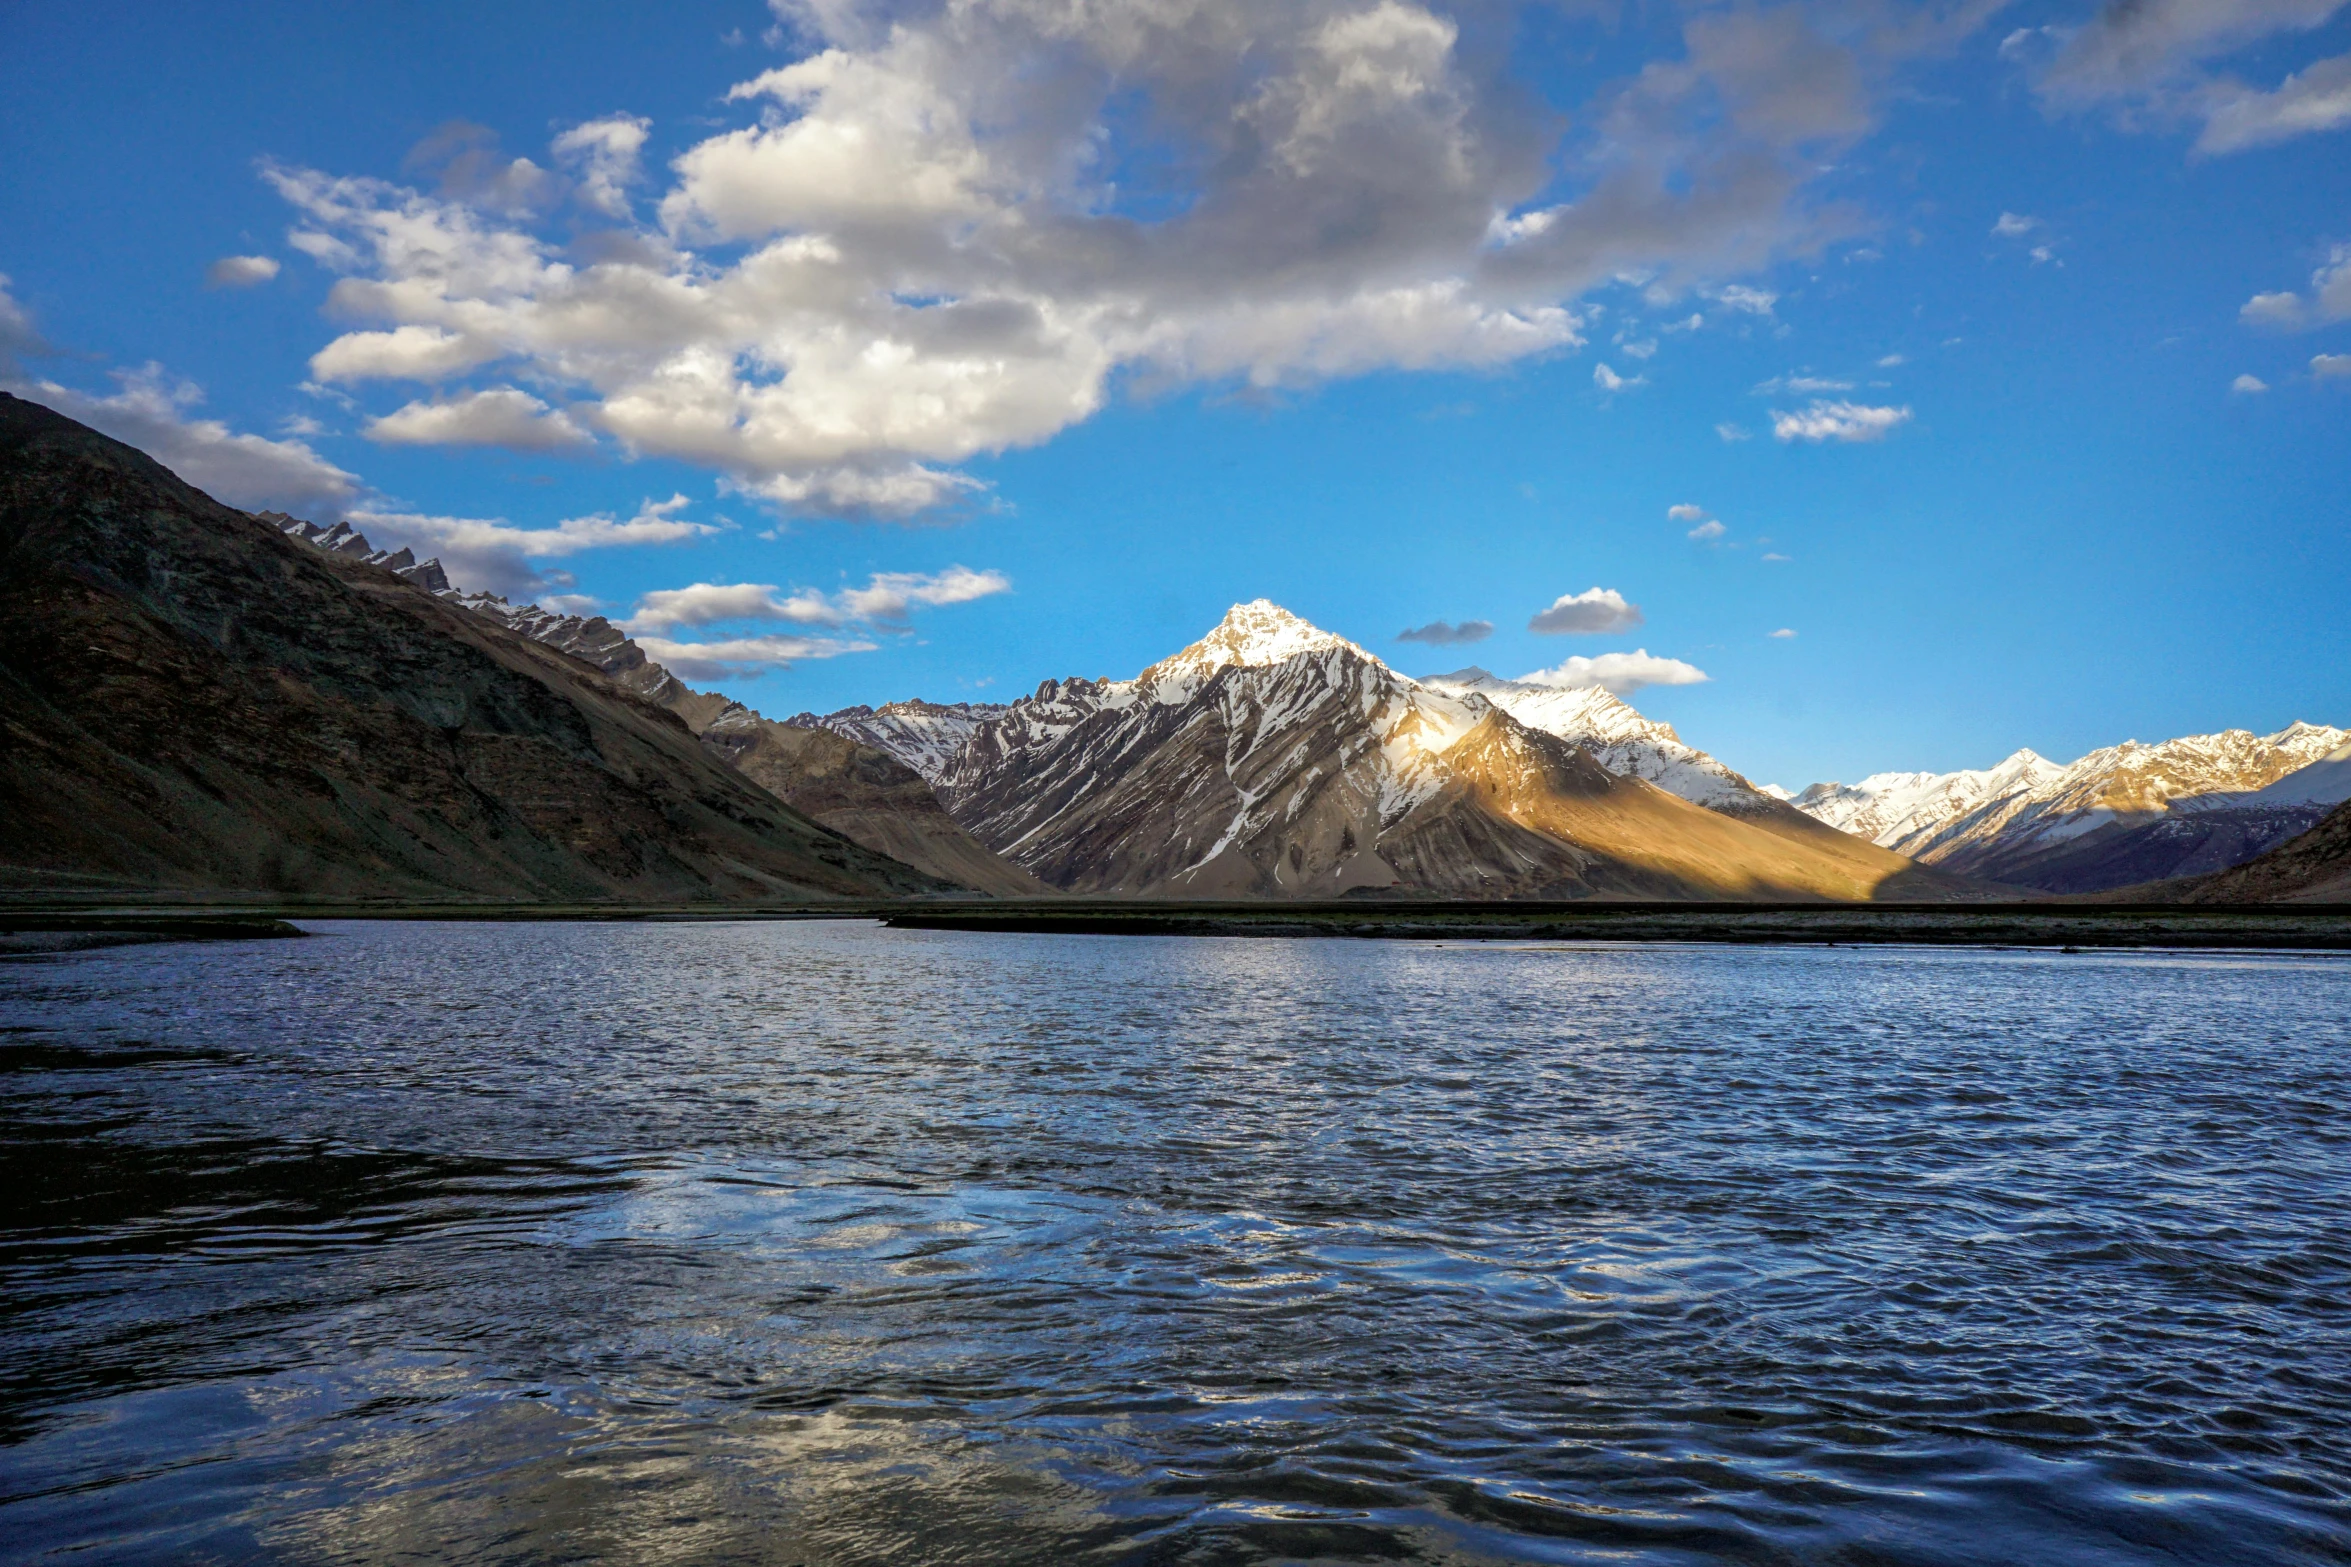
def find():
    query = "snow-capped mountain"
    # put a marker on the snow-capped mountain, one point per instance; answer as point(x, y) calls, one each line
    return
point(1617, 737)
point(1272, 758)
point(2120, 815)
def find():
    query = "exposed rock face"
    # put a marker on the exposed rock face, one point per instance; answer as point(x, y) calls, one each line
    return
point(1272, 759)
point(190, 698)
point(2121, 815)
point(865, 795)
point(1617, 737)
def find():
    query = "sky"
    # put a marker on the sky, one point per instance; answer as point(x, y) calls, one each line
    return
point(1855, 386)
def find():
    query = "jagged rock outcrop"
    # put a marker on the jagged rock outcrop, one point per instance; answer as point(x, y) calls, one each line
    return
point(192, 699)
point(2119, 816)
point(1272, 759)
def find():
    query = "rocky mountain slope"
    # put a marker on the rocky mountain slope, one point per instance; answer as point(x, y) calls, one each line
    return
point(2121, 815)
point(1274, 759)
point(864, 794)
point(191, 699)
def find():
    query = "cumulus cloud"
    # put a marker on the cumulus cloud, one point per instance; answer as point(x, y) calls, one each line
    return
point(1733, 432)
point(502, 416)
point(1783, 634)
point(931, 241)
point(2328, 367)
point(886, 600)
point(2015, 225)
point(741, 657)
point(1438, 633)
point(603, 154)
point(1609, 381)
point(2329, 299)
point(1589, 613)
point(2315, 98)
point(1708, 531)
point(1685, 512)
point(1619, 673)
point(2246, 385)
point(1836, 421)
point(156, 414)
point(240, 271)
point(1801, 385)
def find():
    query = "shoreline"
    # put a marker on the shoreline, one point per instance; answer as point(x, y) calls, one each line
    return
point(2264, 927)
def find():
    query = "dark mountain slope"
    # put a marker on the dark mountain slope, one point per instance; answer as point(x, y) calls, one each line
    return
point(2314, 868)
point(191, 699)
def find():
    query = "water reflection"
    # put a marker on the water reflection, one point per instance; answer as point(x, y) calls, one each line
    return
point(828, 1244)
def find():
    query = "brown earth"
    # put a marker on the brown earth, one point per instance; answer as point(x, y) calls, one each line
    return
point(190, 699)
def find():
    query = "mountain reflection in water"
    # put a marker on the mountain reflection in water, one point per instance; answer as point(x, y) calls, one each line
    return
point(829, 1244)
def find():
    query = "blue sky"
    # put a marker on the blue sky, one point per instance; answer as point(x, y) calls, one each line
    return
point(1132, 316)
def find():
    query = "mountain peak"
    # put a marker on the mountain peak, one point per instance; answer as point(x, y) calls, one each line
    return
point(1252, 635)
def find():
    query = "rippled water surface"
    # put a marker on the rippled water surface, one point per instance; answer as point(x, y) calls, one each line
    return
point(823, 1243)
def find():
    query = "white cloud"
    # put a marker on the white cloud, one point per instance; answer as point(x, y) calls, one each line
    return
point(890, 595)
point(502, 416)
point(919, 251)
point(604, 155)
point(2315, 98)
point(1438, 633)
point(1620, 673)
point(240, 271)
point(1589, 613)
point(1783, 634)
point(1837, 421)
point(2042, 253)
point(2153, 60)
point(2327, 367)
point(248, 471)
point(1753, 301)
point(1685, 512)
point(1801, 385)
point(2015, 225)
point(1609, 381)
point(1708, 531)
point(2245, 385)
point(407, 353)
point(1775, 556)
point(1892, 361)
point(707, 603)
point(2330, 297)
point(1733, 432)
point(744, 656)
point(886, 600)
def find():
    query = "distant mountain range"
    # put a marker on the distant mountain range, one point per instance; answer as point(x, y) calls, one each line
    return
point(1274, 759)
point(195, 698)
point(2119, 816)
